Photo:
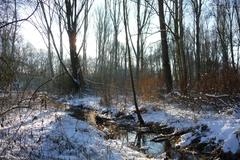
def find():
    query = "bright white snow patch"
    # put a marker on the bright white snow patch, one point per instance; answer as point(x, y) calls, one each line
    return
point(222, 128)
point(51, 134)
point(186, 139)
point(91, 102)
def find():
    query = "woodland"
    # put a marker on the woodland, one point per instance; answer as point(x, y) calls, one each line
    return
point(119, 79)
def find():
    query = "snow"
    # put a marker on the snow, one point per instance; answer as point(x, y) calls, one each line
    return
point(53, 134)
point(165, 118)
point(231, 143)
point(222, 127)
point(186, 139)
point(93, 103)
point(90, 102)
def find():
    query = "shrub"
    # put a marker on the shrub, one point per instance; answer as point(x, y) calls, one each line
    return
point(224, 81)
point(150, 85)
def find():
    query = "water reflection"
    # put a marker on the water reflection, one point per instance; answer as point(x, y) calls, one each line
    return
point(127, 135)
point(132, 137)
point(142, 141)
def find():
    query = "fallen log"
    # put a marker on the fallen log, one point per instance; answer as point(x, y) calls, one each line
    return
point(173, 135)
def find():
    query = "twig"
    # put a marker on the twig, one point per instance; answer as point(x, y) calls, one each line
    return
point(19, 20)
point(34, 93)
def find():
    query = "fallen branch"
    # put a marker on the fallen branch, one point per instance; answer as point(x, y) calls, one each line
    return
point(216, 96)
point(161, 137)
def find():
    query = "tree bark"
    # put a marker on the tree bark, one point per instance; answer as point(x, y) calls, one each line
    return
point(72, 23)
point(140, 119)
point(197, 8)
point(85, 38)
point(165, 56)
point(182, 46)
point(138, 39)
point(180, 54)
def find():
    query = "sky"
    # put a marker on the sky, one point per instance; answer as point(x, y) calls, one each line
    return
point(30, 33)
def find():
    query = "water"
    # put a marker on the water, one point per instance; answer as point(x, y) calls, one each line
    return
point(143, 143)
point(140, 141)
point(132, 137)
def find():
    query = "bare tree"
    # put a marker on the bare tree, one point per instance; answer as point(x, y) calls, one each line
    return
point(4, 23)
point(230, 15)
point(179, 43)
point(221, 16)
point(86, 10)
point(236, 7)
point(103, 30)
point(143, 19)
point(72, 14)
point(15, 27)
point(197, 10)
point(75, 82)
point(125, 20)
point(237, 15)
point(60, 13)
point(164, 43)
point(115, 15)
point(184, 79)
point(50, 12)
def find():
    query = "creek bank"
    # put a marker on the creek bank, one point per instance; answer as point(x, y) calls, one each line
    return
point(189, 132)
point(153, 139)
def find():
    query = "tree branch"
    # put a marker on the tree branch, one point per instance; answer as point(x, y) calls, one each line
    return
point(19, 20)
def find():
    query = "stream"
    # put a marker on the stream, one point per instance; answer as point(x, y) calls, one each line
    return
point(135, 138)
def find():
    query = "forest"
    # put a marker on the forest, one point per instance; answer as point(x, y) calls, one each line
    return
point(119, 79)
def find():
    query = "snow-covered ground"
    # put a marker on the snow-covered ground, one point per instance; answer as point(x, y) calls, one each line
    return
point(53, 134)
point(222, 128)
point(90, 102)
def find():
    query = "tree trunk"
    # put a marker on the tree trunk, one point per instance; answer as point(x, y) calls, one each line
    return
point(180, 54)
point(85, 38)
point(50, 57)
point(221, 30)
point(165, 56)
point(60, 41)
point(183, 57)
point(75, 64)
point(138, 39)
point(198, 69)
point(230, 16)
point(72, 23)
point(140, 119)
point(197, 8)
